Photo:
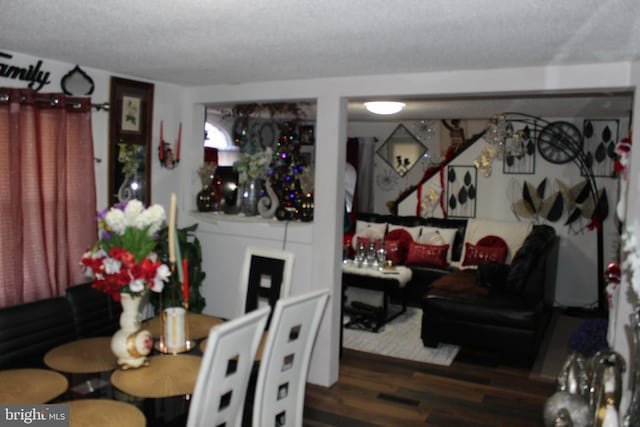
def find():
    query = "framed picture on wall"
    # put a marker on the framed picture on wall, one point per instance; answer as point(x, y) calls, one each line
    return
point(600, 138)
point(130, 121)
point(307, 135)
point(307, 154)
point(462, 190)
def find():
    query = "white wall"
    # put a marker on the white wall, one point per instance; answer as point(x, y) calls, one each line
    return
point(174, 104)
point(330, 141)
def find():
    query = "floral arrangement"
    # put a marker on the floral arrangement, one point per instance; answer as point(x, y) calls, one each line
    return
point(131, 156)
point(253, 166)
point(207, 172)
point(123, 258)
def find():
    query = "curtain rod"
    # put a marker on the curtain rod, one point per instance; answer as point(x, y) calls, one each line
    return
point(53, 101)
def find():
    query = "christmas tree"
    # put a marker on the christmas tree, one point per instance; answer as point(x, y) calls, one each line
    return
point(285, 171)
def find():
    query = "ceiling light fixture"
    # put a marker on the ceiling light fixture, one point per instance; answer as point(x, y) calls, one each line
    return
point(384, 107)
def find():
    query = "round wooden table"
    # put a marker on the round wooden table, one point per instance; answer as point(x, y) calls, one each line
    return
point(104, 413)
point(82, 356)
point(199, 325)
point(33, 386)
point(166, 376)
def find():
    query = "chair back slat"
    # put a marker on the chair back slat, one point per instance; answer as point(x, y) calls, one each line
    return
point(229, 355)
point(282, 376)
point(265, 277)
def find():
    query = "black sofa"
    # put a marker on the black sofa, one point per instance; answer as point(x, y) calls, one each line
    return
point(501, 309)
point(28, 331)
point(496, 308)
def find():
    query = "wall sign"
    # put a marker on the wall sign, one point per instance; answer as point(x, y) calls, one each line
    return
point(36, 77)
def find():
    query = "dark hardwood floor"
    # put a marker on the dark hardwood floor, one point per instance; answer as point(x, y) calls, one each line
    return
point(374, 390)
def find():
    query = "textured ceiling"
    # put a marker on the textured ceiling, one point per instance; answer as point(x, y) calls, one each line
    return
point(207, 42)
point(204, 42)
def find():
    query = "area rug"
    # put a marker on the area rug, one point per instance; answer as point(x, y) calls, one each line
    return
point(400, 338)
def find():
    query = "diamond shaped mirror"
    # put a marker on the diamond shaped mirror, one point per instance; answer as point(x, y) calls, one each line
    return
point(402, 150)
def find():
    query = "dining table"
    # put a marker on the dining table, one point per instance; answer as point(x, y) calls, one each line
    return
point(31, 385)
point(84, 374)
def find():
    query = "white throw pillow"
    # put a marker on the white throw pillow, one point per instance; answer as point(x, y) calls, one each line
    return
point(448, 235)
point(512, 232)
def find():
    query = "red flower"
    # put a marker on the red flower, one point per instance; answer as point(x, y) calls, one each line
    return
point(127, 259)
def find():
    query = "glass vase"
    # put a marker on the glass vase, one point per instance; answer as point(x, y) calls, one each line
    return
point(205, 201)
point(632, 416)
point(250, 193)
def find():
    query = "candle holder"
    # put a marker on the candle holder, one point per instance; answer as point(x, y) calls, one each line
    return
point(175, 331)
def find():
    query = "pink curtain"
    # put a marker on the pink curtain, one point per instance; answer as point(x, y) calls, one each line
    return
point(47, 193)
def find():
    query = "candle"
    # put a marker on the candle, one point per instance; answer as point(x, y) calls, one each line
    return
point(185, 281)
point(172, 228)
point(161, 142)
point(179, 142)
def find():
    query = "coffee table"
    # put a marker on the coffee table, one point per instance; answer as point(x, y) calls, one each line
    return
point(389, 282)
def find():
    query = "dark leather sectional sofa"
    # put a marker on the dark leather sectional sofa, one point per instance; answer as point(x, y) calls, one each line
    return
point(500, 308)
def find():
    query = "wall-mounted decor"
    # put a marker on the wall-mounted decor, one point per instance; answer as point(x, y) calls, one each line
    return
point(31, 73)
point(520, 152)
point(462, 189)
point(169, 154)
point(307, 134)
point(130, 117)
point(453, 132)
point(387, 180)
point(600, 138)
point(77, 83)
point(402, 150)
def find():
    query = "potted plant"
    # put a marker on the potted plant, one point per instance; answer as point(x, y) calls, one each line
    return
point(190, 250)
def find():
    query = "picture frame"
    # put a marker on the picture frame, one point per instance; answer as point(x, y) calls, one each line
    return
point(130, 120)
point(130, 130)
point(308, 155)
point(600, 138)
point(306, 134)
point(462, 189)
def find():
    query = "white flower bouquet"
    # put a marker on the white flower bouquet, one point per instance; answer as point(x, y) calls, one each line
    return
point(253, 166)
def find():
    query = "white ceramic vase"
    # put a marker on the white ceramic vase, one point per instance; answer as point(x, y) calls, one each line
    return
point(130, 344)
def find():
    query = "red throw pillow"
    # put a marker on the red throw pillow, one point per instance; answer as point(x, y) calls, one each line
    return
point(396, 251)
point(476, 255)
point(400, 234)
point(492, 241)
point(427, 255)
point(396, 243)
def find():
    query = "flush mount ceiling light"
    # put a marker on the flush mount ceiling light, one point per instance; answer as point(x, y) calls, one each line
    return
point(384, 107)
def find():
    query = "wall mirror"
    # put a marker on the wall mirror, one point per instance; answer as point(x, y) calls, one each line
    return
point(130, 118)
point(402, 150)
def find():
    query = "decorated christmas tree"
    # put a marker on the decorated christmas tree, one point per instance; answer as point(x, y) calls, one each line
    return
point(286, 169)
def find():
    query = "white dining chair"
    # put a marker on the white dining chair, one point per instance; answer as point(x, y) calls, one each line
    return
point(227, 363)
point(282, 376)
point(265, 277)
